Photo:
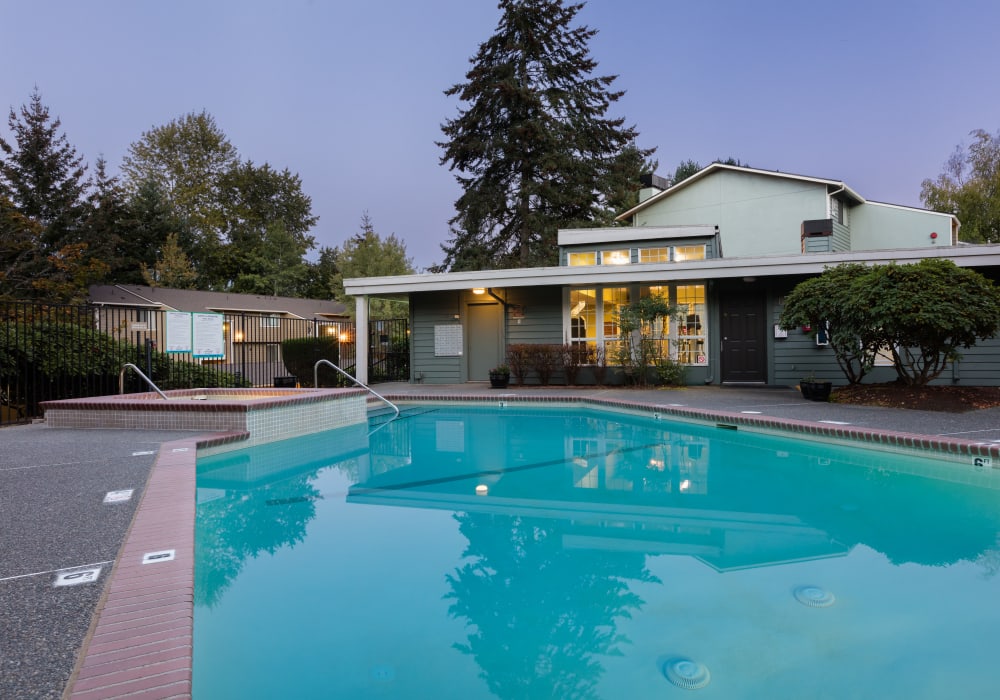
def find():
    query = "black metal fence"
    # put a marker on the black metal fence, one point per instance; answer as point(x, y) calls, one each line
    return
point(58, 351)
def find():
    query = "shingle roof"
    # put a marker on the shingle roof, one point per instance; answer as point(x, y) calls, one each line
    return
point(193, 300)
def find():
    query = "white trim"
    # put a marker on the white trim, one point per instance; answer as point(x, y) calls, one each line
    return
point(715, 268)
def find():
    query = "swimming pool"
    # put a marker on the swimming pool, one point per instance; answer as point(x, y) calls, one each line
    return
point(475, 552)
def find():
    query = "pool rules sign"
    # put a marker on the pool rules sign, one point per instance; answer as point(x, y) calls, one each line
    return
point(208, 338)
point(200, 334)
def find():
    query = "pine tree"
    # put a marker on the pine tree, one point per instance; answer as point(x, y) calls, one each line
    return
point(43, 179)
point(533, 148)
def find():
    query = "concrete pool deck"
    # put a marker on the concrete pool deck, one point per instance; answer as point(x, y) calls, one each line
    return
point(54, 523)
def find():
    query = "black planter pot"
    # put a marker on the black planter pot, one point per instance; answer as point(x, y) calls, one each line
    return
point(816, 391)
point(498, 380)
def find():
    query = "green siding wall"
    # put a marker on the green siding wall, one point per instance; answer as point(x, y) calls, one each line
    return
point(542, 321)
point(879, 227)
point(756, 214)
point(428, 310)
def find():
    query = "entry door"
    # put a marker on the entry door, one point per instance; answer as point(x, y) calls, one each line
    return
point(485, 346)
point(743, 329)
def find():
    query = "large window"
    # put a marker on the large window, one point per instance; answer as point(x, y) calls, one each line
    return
point(583, 320)
point(593, 320)
point(691, 348)
point(613, 298)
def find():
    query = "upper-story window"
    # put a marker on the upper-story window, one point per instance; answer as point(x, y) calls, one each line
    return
point(654, 255)
point(616, 257)
point(575, 259)
point(838, 212)
point(683, 253)
point(270, 321)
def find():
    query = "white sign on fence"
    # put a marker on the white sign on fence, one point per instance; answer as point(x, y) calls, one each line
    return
point(178, 331)
point(208, 337)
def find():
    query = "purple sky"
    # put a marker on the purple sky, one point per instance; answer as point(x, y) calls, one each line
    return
point(349, 95)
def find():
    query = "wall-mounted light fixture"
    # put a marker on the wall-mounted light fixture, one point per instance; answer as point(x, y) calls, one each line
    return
point(478, 290)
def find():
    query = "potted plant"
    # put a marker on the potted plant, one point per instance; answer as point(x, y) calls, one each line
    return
point(815, 389)
point(500, 377)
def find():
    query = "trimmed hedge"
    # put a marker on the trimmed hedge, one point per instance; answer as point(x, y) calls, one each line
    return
point(301, 355)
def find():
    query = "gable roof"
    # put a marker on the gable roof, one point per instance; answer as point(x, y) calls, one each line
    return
point(164, 298)
point(716, 167)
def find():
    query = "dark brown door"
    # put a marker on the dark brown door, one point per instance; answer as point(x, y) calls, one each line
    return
point(743, 327)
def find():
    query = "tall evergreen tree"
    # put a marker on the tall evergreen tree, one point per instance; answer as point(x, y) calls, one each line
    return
point(533, 148)
point(149, 223)
point(44, 180)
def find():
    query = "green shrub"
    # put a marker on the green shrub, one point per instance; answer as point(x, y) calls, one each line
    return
point(301, 355)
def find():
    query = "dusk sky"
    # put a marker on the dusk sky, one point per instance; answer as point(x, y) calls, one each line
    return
point(349, 95)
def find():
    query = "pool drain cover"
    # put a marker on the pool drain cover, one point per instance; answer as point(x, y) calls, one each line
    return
point(814, 596)
point(687, 674)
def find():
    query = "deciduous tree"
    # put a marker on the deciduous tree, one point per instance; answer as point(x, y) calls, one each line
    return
point(921, 312)
point(533, 147)
point(969, 187)
point(367, 254)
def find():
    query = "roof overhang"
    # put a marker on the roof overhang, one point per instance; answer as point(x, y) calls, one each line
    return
point(718, 268)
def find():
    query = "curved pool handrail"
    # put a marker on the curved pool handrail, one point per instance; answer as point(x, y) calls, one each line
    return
point(367, 388)
point(121, 380)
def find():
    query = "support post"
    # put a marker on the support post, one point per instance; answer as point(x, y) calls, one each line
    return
point(361, 338)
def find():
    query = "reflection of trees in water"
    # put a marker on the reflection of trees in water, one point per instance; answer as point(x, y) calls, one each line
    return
point(541, 613)
point(244, 523)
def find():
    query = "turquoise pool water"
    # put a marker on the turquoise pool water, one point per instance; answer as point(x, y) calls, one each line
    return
point(470, 552)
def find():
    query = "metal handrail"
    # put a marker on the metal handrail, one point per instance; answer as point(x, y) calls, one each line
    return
point(121, 380)
point(363, 386)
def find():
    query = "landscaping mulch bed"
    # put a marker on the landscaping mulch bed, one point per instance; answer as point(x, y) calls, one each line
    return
point(951, 399)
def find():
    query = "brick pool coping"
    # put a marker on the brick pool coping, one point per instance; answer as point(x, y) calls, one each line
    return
point(141, 640)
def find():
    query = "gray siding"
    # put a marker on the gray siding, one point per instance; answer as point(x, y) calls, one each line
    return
point(817, 244)
point(841, 237)
point(542, 320)
point(798, 356)
point(428, 310)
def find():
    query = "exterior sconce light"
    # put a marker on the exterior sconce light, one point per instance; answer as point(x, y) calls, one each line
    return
point(478, 290)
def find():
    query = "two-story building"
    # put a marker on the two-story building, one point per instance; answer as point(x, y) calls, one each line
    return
point(726, 245)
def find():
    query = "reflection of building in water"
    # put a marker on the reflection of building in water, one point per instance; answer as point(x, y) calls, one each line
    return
point(678, 465)
point(622, 488)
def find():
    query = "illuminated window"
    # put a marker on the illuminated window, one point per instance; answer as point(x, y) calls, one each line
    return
point(691, 346)
point(658, 331)
point(593, 322)
point(654, 255)
point(583, 320)
point(616, 257)
point(613, 298)
point(683, 253)
point(575, 259)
